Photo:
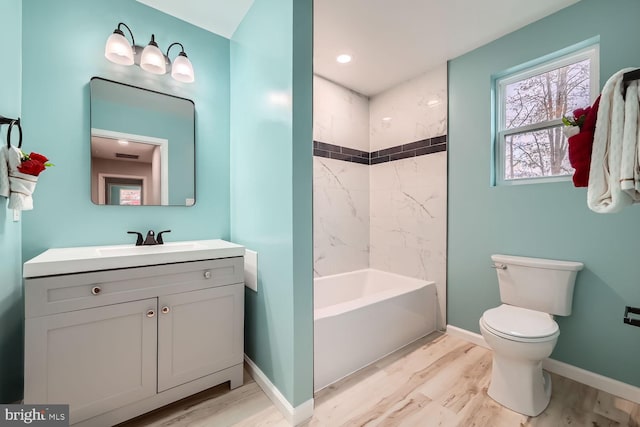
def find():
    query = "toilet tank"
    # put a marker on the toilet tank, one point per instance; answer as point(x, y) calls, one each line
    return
point(538, 284)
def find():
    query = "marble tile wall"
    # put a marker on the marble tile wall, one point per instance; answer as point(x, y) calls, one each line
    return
point(408, 217)
point(340, 115)
point(340, 188)
point(411, 111)
point(340, 216)
point(408, 197)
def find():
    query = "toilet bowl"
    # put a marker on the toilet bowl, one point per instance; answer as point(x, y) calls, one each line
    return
point(522, 331)
point(520, 339)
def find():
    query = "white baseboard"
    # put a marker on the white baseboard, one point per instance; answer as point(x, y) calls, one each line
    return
point(472, 337)
point(600, 382)
point(295, 416)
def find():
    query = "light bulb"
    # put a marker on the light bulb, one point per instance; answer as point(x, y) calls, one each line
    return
point(152, 58)
point(118, 49)
point(182, 70)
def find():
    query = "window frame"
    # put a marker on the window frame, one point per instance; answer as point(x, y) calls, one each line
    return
point(552, 62)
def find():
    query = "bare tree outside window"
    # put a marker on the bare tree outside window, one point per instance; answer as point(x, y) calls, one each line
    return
point(531, 127)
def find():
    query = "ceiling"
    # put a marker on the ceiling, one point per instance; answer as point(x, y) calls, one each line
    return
point(107, 148)
point(218, 16)
point(390, 40)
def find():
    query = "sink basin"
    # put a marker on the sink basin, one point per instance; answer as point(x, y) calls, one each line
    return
point(155, 249)
point(94, 258)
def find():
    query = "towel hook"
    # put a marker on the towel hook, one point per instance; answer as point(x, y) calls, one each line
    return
point(11, 122)
point(14, 122)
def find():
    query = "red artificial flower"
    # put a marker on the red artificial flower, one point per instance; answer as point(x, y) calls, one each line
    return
point(31, 167)
point(38, 157)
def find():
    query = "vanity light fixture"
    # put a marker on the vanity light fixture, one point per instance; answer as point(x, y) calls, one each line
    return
point(151, 58)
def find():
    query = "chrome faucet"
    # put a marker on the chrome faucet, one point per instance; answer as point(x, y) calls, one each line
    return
point(151, 238)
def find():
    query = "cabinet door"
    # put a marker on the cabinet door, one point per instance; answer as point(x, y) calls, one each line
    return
point(199, 333)
point(94, 360)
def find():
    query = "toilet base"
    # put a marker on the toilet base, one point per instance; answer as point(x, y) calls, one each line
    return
point(520, 385)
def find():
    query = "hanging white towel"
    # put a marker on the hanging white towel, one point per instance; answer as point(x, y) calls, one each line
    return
point(604, 194)
point(629, 160)
point(22, 185)
point(4, 171)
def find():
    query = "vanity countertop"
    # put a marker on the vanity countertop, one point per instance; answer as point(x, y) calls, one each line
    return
point(94, 258)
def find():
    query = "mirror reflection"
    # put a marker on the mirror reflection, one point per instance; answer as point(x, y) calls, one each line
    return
point(142, 146)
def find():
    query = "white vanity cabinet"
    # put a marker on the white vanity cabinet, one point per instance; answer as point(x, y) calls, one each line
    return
point(117, 343)
point(199, 332)
point(95, 359)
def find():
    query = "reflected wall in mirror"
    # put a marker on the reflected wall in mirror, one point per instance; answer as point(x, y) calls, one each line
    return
point(142, 146)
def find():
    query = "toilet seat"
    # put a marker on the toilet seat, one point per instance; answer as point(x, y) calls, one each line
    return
point(520, 324)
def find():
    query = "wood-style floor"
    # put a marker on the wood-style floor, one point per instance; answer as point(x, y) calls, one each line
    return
point(437, 381)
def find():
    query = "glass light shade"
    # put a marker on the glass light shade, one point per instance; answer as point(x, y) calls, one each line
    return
point(118, 50)
point(152, 60)
point(182, 70)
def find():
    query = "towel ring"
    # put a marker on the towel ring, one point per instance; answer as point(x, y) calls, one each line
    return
point(14, 122)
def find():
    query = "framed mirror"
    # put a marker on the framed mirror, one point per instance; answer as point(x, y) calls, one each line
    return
point(142, 146)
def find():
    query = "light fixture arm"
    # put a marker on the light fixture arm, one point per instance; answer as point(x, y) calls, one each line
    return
point(153, 40)
point(119, 31)
point(179, 44)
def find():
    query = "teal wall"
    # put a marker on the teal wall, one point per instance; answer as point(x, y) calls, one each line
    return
point(543, 220)
point(271, 186)
point(302, 200)
point(10, 238)
point(63, 47)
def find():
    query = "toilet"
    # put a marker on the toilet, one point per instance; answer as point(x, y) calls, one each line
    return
point(521, 332)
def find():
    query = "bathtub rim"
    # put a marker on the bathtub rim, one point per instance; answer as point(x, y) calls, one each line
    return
point(411, 284)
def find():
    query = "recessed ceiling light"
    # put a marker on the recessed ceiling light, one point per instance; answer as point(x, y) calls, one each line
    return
point(386, 119)
point(344, 58)
point(123, 142)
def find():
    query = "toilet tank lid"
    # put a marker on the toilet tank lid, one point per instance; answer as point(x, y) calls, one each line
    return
point(538, 262)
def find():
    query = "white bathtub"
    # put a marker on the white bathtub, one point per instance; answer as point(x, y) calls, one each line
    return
point(361, 316)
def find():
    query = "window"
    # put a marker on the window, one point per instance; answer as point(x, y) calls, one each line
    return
point(530, 103)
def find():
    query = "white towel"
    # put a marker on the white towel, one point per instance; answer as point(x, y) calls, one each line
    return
point(4, 172)
point(629, 165)
point(604, 194)
point(22, 185)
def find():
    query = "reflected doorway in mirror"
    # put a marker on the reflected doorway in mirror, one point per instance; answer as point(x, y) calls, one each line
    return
point(125, 157)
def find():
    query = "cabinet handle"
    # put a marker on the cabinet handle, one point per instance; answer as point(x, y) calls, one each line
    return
point(151, 313)
point(207, 275)
point(96, 290)
point(165, 309)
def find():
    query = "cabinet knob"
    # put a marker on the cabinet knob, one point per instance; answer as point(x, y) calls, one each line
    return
point(96, 290)
point(207, 274)
point(151, 313)
point(165, 309)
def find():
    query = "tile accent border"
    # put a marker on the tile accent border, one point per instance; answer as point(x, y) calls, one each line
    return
point(403, 151)
point(600, 382)
point(337, 152)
